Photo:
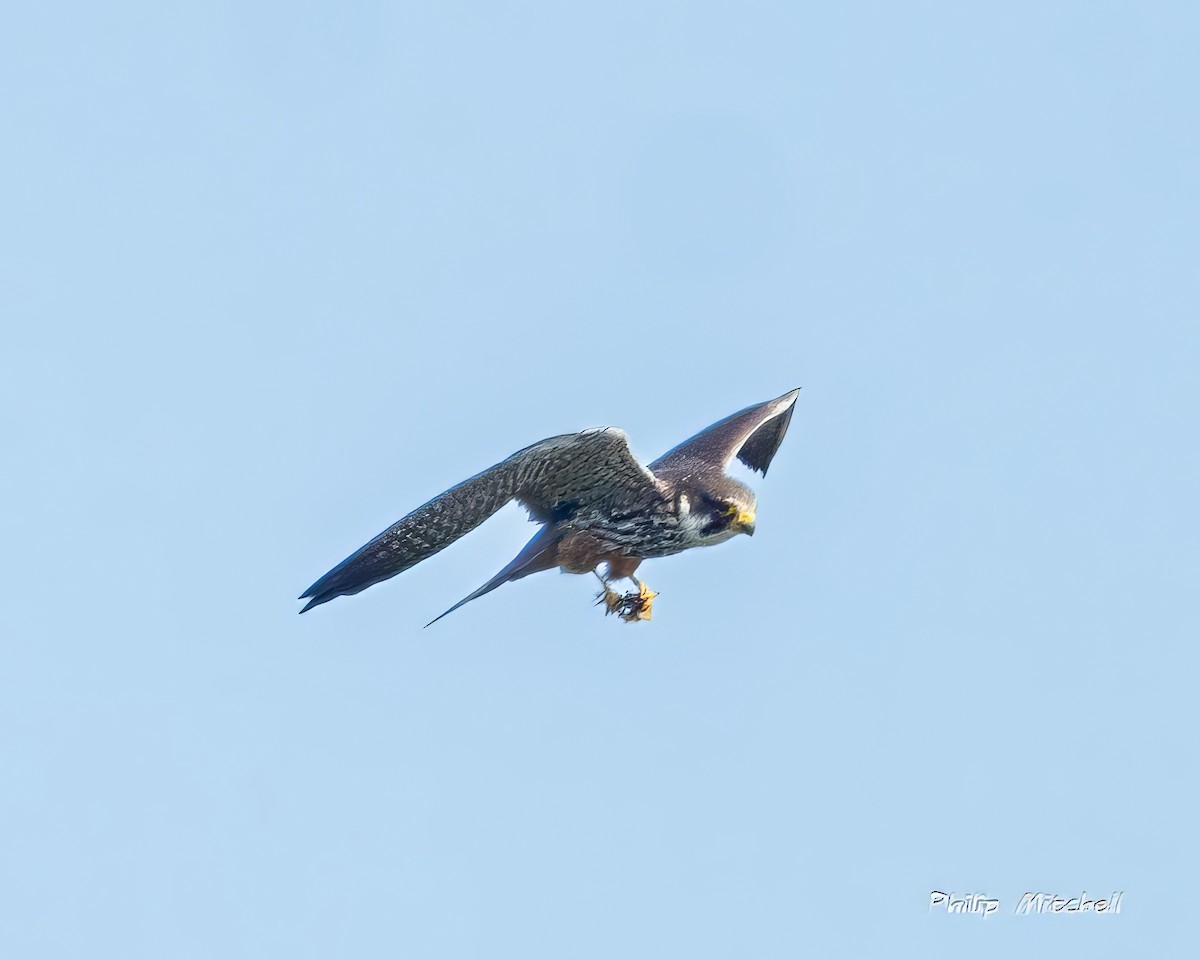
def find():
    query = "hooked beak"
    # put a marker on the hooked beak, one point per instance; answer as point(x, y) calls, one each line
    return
point(745, 522)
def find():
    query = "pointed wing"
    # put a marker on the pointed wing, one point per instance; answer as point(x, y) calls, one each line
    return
point(752, 435)
point(592, 470)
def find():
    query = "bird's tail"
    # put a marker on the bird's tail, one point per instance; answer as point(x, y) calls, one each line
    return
point(540, 553)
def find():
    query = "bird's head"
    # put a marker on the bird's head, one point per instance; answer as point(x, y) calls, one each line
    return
point(717, 507)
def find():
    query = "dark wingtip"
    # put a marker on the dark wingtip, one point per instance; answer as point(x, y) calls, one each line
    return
point(761, 446)
point(315, 601)
point(452, 609)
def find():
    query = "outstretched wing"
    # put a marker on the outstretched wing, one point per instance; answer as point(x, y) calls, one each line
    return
point(592, 470)
point(752, 435)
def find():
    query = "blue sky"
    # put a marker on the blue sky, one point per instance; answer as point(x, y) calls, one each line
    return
point(274, 274)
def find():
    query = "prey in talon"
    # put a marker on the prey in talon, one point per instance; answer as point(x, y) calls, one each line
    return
point(631, 606)
point(596, 503)
point(636, 606)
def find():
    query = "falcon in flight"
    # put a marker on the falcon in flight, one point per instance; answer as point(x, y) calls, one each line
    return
point(596, 503)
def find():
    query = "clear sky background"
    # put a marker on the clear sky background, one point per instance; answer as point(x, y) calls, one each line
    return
point(274, 274)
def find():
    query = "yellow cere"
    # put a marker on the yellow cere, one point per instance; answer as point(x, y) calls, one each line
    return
point(743, 516)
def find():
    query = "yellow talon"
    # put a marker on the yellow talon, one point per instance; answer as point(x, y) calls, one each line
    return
point(612, 600)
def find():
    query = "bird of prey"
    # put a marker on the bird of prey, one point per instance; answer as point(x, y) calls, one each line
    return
point(597, 505)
